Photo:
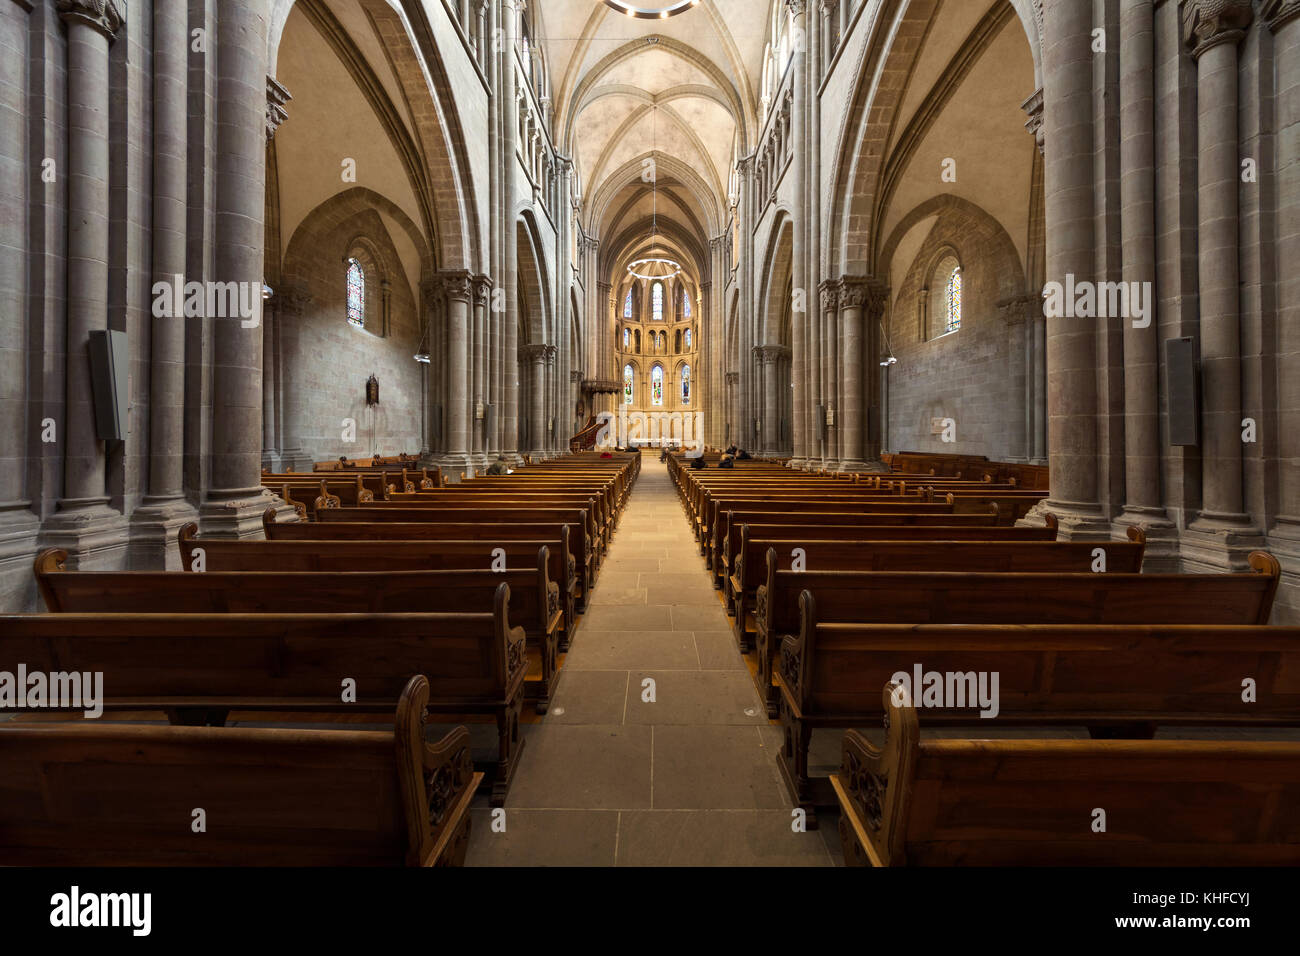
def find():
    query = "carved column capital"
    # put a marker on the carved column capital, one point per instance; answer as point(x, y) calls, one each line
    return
point(863, 292)
point(1278, 13)
point(536, 354)
point(276, 98)
point(1033, 107)
point(102, 15)
point(797, 8)
point(456, 286)
point(1211, 23)
point(770, 354)
point(830, 295)
point(482, 290)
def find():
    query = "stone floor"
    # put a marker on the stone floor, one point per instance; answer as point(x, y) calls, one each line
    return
point(655, 750)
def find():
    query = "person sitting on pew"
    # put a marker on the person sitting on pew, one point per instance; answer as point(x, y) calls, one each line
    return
point(732, 450)
point(743, 455)
point(699, 462)
point(499, 467)
point(727, 461)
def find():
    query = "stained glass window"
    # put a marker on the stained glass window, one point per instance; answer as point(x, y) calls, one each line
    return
point(627, 385)
point(954, 301)
point(627, 305)
point(356, 294)
point(688, 340)
point(657, 301)
point(657, 385)
point(627, 339)
point(686, 384)
point(686, 304)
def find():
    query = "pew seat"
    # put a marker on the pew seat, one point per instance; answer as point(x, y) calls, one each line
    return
point(973, 802)
point(97, 794)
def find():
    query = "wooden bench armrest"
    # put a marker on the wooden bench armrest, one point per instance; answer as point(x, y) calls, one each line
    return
point(876, 783)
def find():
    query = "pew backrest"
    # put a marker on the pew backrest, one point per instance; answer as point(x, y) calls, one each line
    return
point(89, 794)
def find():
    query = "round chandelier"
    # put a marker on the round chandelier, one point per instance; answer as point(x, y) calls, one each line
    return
point(651, 12)
point(654, 267)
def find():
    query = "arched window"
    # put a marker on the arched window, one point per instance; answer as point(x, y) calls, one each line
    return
point(627, 305)
point(686, 384)
point(657, 385)
point(953, 301)
point(657, 302)
point(945, 298)
point(688, 340)
point(627, 384)
point(627, 339)
point(356, 294)
point(686, 304)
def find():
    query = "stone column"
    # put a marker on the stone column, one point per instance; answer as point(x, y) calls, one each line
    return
point(1283, 17)
point(18, 525)
point(1071, 251)
point(747, 409)
point(1142, 447)
point(537, 357)
point(853, 300)
point(482, 348)
point(829, 300)
point(509, 104)
point(1214, 30)
point(85, 525)
point(457, 290)
point(235, 498)
point(164, 510)
point(799, 248)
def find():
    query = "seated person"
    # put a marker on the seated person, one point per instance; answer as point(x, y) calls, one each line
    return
point(699, 462)
point(743, 455)
point(499, 467)
point(727, 461)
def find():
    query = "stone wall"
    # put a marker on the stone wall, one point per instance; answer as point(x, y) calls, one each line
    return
point(326, 360)
point(975, 376)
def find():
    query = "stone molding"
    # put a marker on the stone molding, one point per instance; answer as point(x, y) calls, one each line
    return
point(101, 15)
point(1210, 23)
point(1033, 107)
point(276, 98)
point(1278, 13)
point(456, 286)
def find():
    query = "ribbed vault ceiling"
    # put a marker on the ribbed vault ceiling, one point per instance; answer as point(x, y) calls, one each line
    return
point(680, 92)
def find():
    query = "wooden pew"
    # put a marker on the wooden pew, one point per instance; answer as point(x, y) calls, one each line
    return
point(582, 528)
point(921, 597)
point(464, 529)
point(1031, 802)
point(378, 554)
point(728, 540)
point(308, 495)
point(1118, 680)
point(534, 598)
point(602, 520)
point(956, 597)
point(777, 611)
point(200, 668)
point(841, 547)
point(91, 794)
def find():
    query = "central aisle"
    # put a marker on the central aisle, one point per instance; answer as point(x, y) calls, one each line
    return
point(611, 777)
